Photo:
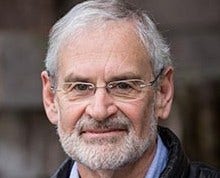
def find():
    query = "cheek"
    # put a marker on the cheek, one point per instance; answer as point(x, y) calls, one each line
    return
point(69, 114)
point(139, 114)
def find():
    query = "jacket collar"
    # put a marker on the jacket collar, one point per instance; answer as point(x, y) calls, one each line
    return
point(178, 163)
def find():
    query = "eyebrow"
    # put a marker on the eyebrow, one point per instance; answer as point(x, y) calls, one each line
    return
point(125, 76)
point(75, 78)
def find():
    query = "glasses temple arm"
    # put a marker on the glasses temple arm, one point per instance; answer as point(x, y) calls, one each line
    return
point(157, 76)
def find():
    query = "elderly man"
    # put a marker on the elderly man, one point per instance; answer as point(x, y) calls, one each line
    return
point(108, 80)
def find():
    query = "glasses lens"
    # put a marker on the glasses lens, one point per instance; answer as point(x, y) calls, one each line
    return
point(122, 90)
point(77, 90)
point(126, 89)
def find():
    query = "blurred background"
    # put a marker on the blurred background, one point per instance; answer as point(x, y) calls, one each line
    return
point(29, 145)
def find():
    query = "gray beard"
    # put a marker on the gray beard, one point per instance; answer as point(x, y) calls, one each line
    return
point(107, 153)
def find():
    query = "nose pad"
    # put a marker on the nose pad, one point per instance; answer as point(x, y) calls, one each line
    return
point(101, 106)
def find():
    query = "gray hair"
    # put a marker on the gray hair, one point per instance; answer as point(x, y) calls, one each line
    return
point(101, 11)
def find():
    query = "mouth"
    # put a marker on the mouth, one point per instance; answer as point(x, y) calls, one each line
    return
point(102, 133)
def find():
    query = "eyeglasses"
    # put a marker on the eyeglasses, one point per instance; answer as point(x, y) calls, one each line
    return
point(124, 90)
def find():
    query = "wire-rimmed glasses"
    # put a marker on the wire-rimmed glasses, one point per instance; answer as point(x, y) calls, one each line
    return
point(124, 90)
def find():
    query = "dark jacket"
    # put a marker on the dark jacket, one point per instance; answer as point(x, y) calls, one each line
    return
point(178, 164)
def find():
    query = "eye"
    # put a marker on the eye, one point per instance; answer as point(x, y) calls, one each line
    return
point(123, 85)
point(128, 86)
point(77, 87)
point(120, 86)
point(78, 90)
point(81, 86)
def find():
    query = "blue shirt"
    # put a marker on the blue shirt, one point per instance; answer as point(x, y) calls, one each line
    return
point(157, 166)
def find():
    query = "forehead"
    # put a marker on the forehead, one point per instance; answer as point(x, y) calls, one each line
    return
point(104, 52)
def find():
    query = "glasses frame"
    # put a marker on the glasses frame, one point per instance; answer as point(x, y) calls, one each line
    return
point(108, 85)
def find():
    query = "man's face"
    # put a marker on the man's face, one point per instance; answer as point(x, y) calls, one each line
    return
point(99, 131)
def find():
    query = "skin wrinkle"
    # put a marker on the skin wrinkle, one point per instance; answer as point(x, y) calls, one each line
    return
point(107, 28)
point(105, 64)
point(98, 45)
point(152, 124)
point(131, 30)
point(117, 52)
point(111, 52)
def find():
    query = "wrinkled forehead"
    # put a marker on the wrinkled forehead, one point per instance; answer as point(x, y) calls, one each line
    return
point(117, 28)
point(124, 30)
point(114, 43)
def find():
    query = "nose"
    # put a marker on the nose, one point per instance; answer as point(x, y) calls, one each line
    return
point(101, 105)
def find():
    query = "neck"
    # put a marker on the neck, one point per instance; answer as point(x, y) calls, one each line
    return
point(138, 168)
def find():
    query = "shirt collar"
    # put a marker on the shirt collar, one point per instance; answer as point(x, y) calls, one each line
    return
point(160, 160)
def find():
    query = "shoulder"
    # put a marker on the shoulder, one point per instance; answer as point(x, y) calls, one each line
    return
point(179, 164)
point(202, 170)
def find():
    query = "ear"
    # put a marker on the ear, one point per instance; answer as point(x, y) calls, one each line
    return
point(49, 98)
point(164, 94)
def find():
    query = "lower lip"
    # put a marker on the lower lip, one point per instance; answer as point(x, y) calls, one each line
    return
point(103, 134)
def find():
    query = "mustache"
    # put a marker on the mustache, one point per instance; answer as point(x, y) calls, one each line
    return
point(117, 122)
